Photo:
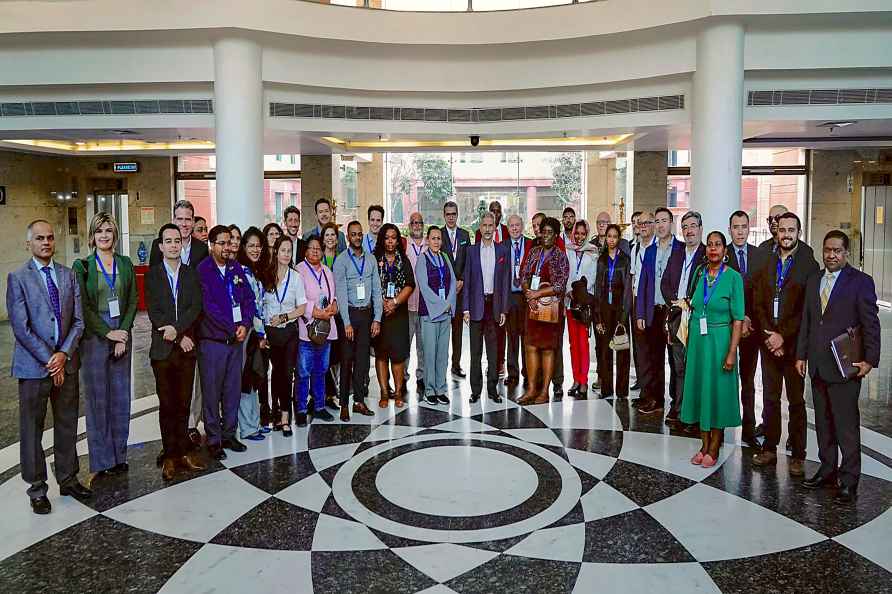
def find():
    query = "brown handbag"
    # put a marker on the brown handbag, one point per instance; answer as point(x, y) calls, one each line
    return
point(547, 308)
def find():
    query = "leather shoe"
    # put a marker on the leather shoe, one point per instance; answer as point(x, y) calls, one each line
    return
point(345, 413)
point(216, 452)
point(323, 415)
point(456, 371)
point(195, 437)
point(557, 394)
point(818, 481)
point(431, 399)
point(495, 398)
point(759, 431)
point(474, 398)
point(190, 462)
point(300, 419)
point(846, 494)
point(635, 386)
point(76, 490)
point(361, 409)
point(764, 458)
point(796, 467)
point(234, 445)
point(168, 469)
point(41, 505)
point(751, 441)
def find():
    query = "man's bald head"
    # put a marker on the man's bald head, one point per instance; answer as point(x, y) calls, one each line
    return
point(601, 222)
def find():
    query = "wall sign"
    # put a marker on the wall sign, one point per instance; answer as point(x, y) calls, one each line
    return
point(125, 167)
point(2, 195)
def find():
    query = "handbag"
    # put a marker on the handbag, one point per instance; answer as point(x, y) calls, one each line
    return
point(581, 302)
point(620, 340)
point(318, 330)
point(678, 318)
point(547, 308)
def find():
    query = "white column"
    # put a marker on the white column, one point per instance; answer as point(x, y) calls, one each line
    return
point(717, 122)
point(238, 113)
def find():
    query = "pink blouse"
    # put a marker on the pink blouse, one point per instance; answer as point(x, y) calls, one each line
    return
point(315, 288)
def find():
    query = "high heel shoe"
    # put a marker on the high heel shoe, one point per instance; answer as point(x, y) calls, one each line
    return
point(573, 390)
point(698, 458)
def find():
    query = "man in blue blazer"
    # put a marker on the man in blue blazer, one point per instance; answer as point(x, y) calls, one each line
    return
point(838, 298)
point(456, 242)
point(43, 302)
point(484, 303)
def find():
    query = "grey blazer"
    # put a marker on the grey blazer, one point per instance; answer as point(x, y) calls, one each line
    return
point(436, 307)
point(32, 319)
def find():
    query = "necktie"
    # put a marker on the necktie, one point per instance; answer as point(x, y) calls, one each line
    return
point(742, 261)
point(825, 292)
point(514, 267)
point(53, 291)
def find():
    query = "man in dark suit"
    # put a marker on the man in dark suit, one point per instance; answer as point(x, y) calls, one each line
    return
point(173, 296)
point(518, 247)
point(193, 251)
point(839, 298)
point(675, 286)
point(44, 306)
point(484, 305)
point(746, 259)
point(291, 222)
point(774, 212)
point(456, 242)
point(778, 301)
point(325, 215)
point(501, 230)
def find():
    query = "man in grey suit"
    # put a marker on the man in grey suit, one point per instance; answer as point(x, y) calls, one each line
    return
point(43, 301)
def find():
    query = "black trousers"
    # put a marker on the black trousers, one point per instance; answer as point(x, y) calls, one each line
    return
point(516, 324)
point(609, 317)
point(34, 394)
point(458, 329)
point(653, 359)
point(484, 332)
point(677, 361)
point(778, 373)
point(837, 424)
point(174, 377)
point(749, 358)
point(557, 380)
point(636, 344)
point(284, 361)
point(355, 356)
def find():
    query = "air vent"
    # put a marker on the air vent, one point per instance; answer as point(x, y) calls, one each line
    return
point(818, 97)
point(107, 107)
point(485, 114)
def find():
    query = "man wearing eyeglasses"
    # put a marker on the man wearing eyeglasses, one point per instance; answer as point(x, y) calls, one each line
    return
point(644, 223)
point(415, 246)
point(773, 213)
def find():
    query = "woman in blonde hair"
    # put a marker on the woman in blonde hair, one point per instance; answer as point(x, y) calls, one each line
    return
point(108, 297)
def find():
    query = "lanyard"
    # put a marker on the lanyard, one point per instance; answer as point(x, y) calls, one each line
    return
point(687, 264)
point(453, 241)
point(390, 270)
point(782, 273)
point(714, 283)
point(368, 242)
point(109, 281)
point(579, 256)
point(441, 269)
point(228, 287)
point(517, 245)
point(359, 269)
point(416, 249)
point(174, 284)
point(319, 278)
point(541, 261)
point(611, 266)
point(285, 292)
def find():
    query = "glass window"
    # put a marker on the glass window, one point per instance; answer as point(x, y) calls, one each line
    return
point(202, 193)
point(281, 162)
point(274, 192)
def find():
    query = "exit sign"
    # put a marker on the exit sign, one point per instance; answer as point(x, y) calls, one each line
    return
point(125, 167)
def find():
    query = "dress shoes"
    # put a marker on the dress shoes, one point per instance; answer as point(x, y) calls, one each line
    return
point(635, 386)
point(195, 437)
point(216, 452)
point(234, 445)
point(474, 398)
point(168, 469)
point(361, 409)
point(76, 490)
point(191, 463)
point(750, 441)
point(286, 431)
point(650, 408)
point(255, 437)
point(41, 505)
point(796, 467)
point(671, 418)
point(557, 394)
point(764, 458)
point(581, 392)
point(571, 393)
point(818, 481)
point(457, 372)
point(495, 398)
point(759, 431)
point(846, 494)
point(301, 419)
point(345, 413)
point(323, 415)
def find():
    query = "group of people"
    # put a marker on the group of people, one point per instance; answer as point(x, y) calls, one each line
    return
point(282, 325)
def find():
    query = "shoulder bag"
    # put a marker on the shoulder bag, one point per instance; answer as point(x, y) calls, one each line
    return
point(318, 330)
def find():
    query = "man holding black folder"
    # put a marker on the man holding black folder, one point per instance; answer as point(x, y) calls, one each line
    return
point(837, 300)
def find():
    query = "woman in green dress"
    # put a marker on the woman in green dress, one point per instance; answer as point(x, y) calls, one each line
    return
point(711, 396)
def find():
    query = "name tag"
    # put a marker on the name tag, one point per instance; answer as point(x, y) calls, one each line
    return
point(236, 313)
point(114, 308)
point(703, 327)
point(517, 272)
point(610, 297)
point(442, 293)
point(391, 291)
point(534, 282)
point(360, 292)
point(776, 307)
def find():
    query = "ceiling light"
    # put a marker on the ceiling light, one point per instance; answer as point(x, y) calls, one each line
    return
point(841, 124)
point(493, 143)
point(111, 146)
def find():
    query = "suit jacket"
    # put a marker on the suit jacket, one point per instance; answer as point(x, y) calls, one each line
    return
point(853, 302)
point(645, 299)
point(472, 294)
point(755, 260)
point(792, 296)
point(463, 238)
point(197, 252)
point(33, 320)
point(89, 278)
point(159, 299)
point(674, 268)
point(527, 246)
point(298, 249)
point(217, 323)
point(502, 226)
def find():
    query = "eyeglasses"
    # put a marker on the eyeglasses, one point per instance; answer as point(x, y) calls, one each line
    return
point(221, 243)
point(645, 222)
point(773, 219)
point(416, 222)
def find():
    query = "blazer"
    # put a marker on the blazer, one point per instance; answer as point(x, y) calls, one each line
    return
point(672, 274)
point(755, 260)
point(792, 296)
point(160, 304)
point(33, 320)
point(502, 226)
point(217, 324)
point(622, 286)
point(853, 302)
point(436, 306)
point(197, 252)
point(645, 300)
point(88, 277)
point(463, 238)
point(527, 246)
point(472, 294)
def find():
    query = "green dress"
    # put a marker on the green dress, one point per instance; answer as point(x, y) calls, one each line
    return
point(711, 394)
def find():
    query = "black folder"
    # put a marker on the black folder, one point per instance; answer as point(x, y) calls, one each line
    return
point(848, 348)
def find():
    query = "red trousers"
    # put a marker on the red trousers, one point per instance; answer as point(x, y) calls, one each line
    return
point(579, 354)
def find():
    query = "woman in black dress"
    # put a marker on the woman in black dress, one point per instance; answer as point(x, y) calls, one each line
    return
point(397, 284)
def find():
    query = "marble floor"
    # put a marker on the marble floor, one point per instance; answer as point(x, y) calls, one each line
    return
point(571, 496)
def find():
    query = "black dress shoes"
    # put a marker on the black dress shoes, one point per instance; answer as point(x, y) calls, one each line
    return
point(216, 452)
point(571, 393)
point(557, 394)
point(41, 505)
point(76, 490)
point(635, 386)
point(846, 494)
point(456, 371)
point(474, 398)
point(751, 441)
point(818, 481)
point(234, 445)
point(323, 415)
point(495, 398)
point(300, 419)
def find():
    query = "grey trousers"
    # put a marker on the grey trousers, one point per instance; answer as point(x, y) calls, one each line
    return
point(416, 335)
point(33, 397)
point(436, 354)
point(195, 410)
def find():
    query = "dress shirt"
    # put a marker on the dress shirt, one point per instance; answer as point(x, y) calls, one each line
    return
point(453, 236)
point(173, 278)
point(661, 263)
point(413, 251)
point(488, 265)
point(740, 254)
point(347, 279)
point(186, 251)
point(497, 234)
point(369, 241)
point(638, 261)
point(828, 281)
point(292, 297)
point(517, 254)
point(45, 286)
point(686, 270)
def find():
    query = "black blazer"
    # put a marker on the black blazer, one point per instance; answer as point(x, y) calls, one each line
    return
point(159, 300)
point(464, 242)
point(755, 260)
point(198, 252)
point(622, 286)
point(792, 296)
point(672, 274)
point(853, 302)
point(298, 249)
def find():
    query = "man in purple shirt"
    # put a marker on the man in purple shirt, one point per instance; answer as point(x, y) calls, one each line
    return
point(228, 309)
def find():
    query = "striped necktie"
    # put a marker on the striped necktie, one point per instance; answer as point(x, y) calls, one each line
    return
point(825, 292)
point(53, 291)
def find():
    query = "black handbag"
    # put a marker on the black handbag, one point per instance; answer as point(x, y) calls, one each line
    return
point(581, 302)
point(318, 330)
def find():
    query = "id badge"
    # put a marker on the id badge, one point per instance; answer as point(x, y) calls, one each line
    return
point(391, 291)
point(610, 297)
point(114, 308)
point(703, 327)
point(236, 314)
point(360, 292)
point(776, 308)
point(534, 283)
point(517, 271)
point(442, 293)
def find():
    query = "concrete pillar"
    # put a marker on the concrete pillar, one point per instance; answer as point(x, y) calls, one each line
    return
point(717, 114)
point(648, 181)
point(238, 115)
point(601, 187)
point(369, 186)
point(318, 179)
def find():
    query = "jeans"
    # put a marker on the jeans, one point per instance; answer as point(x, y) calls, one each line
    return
point(312, 365)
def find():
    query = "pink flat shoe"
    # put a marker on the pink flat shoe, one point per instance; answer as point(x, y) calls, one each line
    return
point(708, 461)
point(697, 459)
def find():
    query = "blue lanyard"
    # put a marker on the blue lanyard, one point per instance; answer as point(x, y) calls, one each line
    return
point(441, 269)
point(359, 270)
point(285, 292)
point(579, 256)
point(714, 283)
point(109, 281)
point(541, 261)
point(228, 286)
point(517, 246)
point(611, 266)
point(368, 242)
point(782, 273)
point(318, 278)
point(415, 249)
point(174, 285)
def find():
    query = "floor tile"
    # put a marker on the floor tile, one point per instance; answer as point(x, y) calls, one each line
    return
point(566, 543)
point(577, 414)
point(277, 473)
point(604, 578)
point(872, 540)
point(668, 453)
point(309, 493)
point(604, 501)
point(323, 458)
point(364, 572)
point(645, 485)
point(443, 562)
point(632, 537)
point(597, 465)
point(336, 534)
point(273, 446)
point(508, 574)
point(324, 435)
point(273, 524)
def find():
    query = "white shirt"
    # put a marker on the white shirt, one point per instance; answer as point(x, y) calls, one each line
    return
point(497, 234)
point(488, 266)
point(587, 267)
point(453, 233)
point(186, 251)
point(661, 263)
point(292, 297)
point(173, 278)
point(517, 253)
point(686, 270)
point(828, 281)
point(638, 261)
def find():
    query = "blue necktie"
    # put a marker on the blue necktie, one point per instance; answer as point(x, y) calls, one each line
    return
point(53, 291)
point(742, 260)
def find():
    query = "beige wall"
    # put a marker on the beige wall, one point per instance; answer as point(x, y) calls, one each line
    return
point(649, 181)
point(600, 187)
point(369, 187)
point(317, 175)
